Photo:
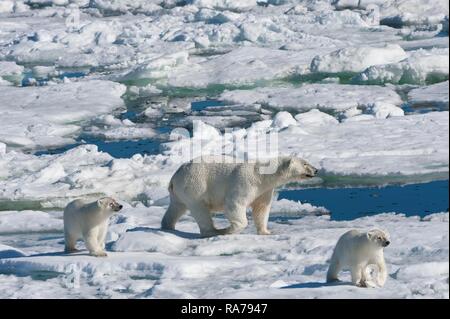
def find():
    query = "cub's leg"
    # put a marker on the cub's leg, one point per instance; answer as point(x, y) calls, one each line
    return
point(260, 211)
point(382, 271)
point(70, 242)
point(91, 242)
point(175, 210)
point(333, 270)
point(357, 276)
point(103, 229)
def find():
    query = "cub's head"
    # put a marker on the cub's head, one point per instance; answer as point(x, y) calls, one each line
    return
point(294, 168)
point(109, 204)
point(378, 237)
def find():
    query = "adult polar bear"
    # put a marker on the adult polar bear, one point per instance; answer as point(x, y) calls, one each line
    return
point(216, 183)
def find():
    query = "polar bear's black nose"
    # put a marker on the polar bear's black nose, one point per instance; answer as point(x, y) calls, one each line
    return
point(386, 243)
point(120, 206)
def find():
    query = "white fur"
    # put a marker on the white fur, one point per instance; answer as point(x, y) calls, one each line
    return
point(355, 251)
point(88, 221)
point(211, 184)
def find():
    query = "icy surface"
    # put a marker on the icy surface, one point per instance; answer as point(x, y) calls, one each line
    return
point(145, 262)
point(435, 95)
point(420, 67)
point(44, 116)
point(330, 97)
point(419, 142)
point(357, 59)
point(357, 87)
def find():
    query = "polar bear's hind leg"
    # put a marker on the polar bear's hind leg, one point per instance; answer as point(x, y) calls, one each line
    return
point(203, 217)
point(70, 243)
point(237, 216)
point(333, 271)
point(175, 210)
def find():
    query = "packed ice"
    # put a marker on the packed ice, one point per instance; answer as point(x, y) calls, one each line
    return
point(358, 88)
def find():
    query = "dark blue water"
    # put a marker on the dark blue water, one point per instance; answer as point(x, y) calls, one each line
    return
point(350, 203)
point(201, 105)
point(117, 149)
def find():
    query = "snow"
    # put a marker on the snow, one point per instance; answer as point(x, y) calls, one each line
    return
point(110, 128)
point(36, 117)
point(414, 12)
point(435, 95)
point(28, 221)
point(357, 88)
point(420, 67)
point(224, 4)
point(330, 97)
point(10, 71)
point(357, 59)
point(419, 142)
point(144, 262)
point(243, 66)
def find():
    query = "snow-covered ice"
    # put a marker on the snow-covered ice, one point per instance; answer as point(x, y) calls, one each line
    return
point(435, 95)
point(145, 262)
point(419, 142)
point(38, 117)
point(420, 67)
point(359, 88)
point(329, 97)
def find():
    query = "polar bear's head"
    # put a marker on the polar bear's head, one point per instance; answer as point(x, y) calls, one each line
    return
point(109, 204)
point(294, 168)
point(378, 237)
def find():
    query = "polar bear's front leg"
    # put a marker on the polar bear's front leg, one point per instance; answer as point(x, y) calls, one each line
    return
point(357, 275)
point(101, 237)
point(91, 242)
point(260, 211)
point(382, 271)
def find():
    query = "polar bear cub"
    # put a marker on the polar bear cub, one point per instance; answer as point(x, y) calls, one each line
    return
point(355, 251)
point(88, 221)
point(212, 184)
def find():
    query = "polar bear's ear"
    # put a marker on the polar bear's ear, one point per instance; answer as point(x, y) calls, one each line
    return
point(371, 234)
point(101, 202)
point(286, 162)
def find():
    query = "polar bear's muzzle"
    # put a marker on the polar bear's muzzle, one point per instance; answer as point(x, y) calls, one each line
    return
point(312, 171)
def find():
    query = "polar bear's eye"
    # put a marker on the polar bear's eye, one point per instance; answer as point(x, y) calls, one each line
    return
point(112, 205)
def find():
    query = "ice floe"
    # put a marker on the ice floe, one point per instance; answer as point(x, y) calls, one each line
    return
point(329, 97)
point(357, 59)
point(421, 67)
point(38, 117)
point(435, 95)
point(144, 262)
point(419, 142)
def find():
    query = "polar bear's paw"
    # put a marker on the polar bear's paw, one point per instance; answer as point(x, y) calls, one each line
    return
point(365, 284)
point(99, 254)
point(264, 232)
